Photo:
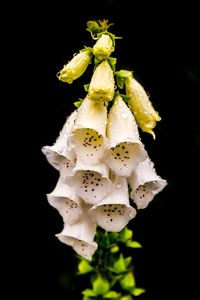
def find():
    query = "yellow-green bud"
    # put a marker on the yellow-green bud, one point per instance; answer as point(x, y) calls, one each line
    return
point(103, 47)
point(140, 105)
point(102, 85)
point(76, 67)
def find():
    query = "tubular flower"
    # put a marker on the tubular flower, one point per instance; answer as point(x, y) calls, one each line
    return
point(61, 149)
point(88, 137)
point(91, 182)
point(80, 236)
point(145, 184)
point(126, 149)
point(103, 47)
point(114, 211)
point(68, 204)
point(145, 115)
point(102, 86)
point(76, 67)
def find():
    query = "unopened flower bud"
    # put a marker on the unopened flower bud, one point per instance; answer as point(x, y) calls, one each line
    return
point(103, 47)
point(76, 67)
point(102, 85)
point(140, 105)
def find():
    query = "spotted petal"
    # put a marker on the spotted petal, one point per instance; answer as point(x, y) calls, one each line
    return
point(126, 148)
point(80, 236)
point(91, 182)
point(61, 149)
point(145, 183)
point(88, 138)
point(114, 211)
point(68, 204)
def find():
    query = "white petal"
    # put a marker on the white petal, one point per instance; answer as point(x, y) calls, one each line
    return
point(88, 139)
point(60, 149)
point(145, 184)
point(64, 199)
point(126, 148)
point(114, 212)
point(80, 236)
point(66, 168)
point(91, 183)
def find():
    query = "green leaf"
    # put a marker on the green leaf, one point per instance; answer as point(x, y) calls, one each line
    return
point(125, 235)
point(114, 249)
point(127, 261)
point(128, 282)
point(86, 87)
point(100, 285)
point(84, 267)
point(111, 294)
point(138, 291)
point(127, 297)
point(133, 244)
point(119, 265)
point(89, 293)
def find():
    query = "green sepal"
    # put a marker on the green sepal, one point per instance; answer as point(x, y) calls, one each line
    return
point(128, 282)
point(86, 87)
point(78, 103)
point(89, 293)
point(125, 98)
point(112, 61)
point(133, 244)
point(84, 267)
point(114, 249)
point(127, 261)
point(124, 73)
point(100, 285)
point(125, 235)
point(138, 291)
point(119, 265)
point(120, 81)
point(111, 295)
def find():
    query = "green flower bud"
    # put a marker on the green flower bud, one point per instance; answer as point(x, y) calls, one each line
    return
point(102, 86)
point(103, 47)
point(140, 105)
point(76, 67)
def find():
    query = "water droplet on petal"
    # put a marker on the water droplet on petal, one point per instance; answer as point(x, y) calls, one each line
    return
point(124, 115)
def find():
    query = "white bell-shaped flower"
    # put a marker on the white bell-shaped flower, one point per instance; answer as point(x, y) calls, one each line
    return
point(64, 199)
point(145, 183)
point(91, 182)
point(114, 211)
point(61, 149)
point(80, 236)
point(88, 139)
point(126, 149)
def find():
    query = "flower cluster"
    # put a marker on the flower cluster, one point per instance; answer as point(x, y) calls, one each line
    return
point(105, 172)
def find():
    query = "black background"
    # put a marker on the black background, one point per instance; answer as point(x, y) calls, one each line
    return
point(160, 44)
